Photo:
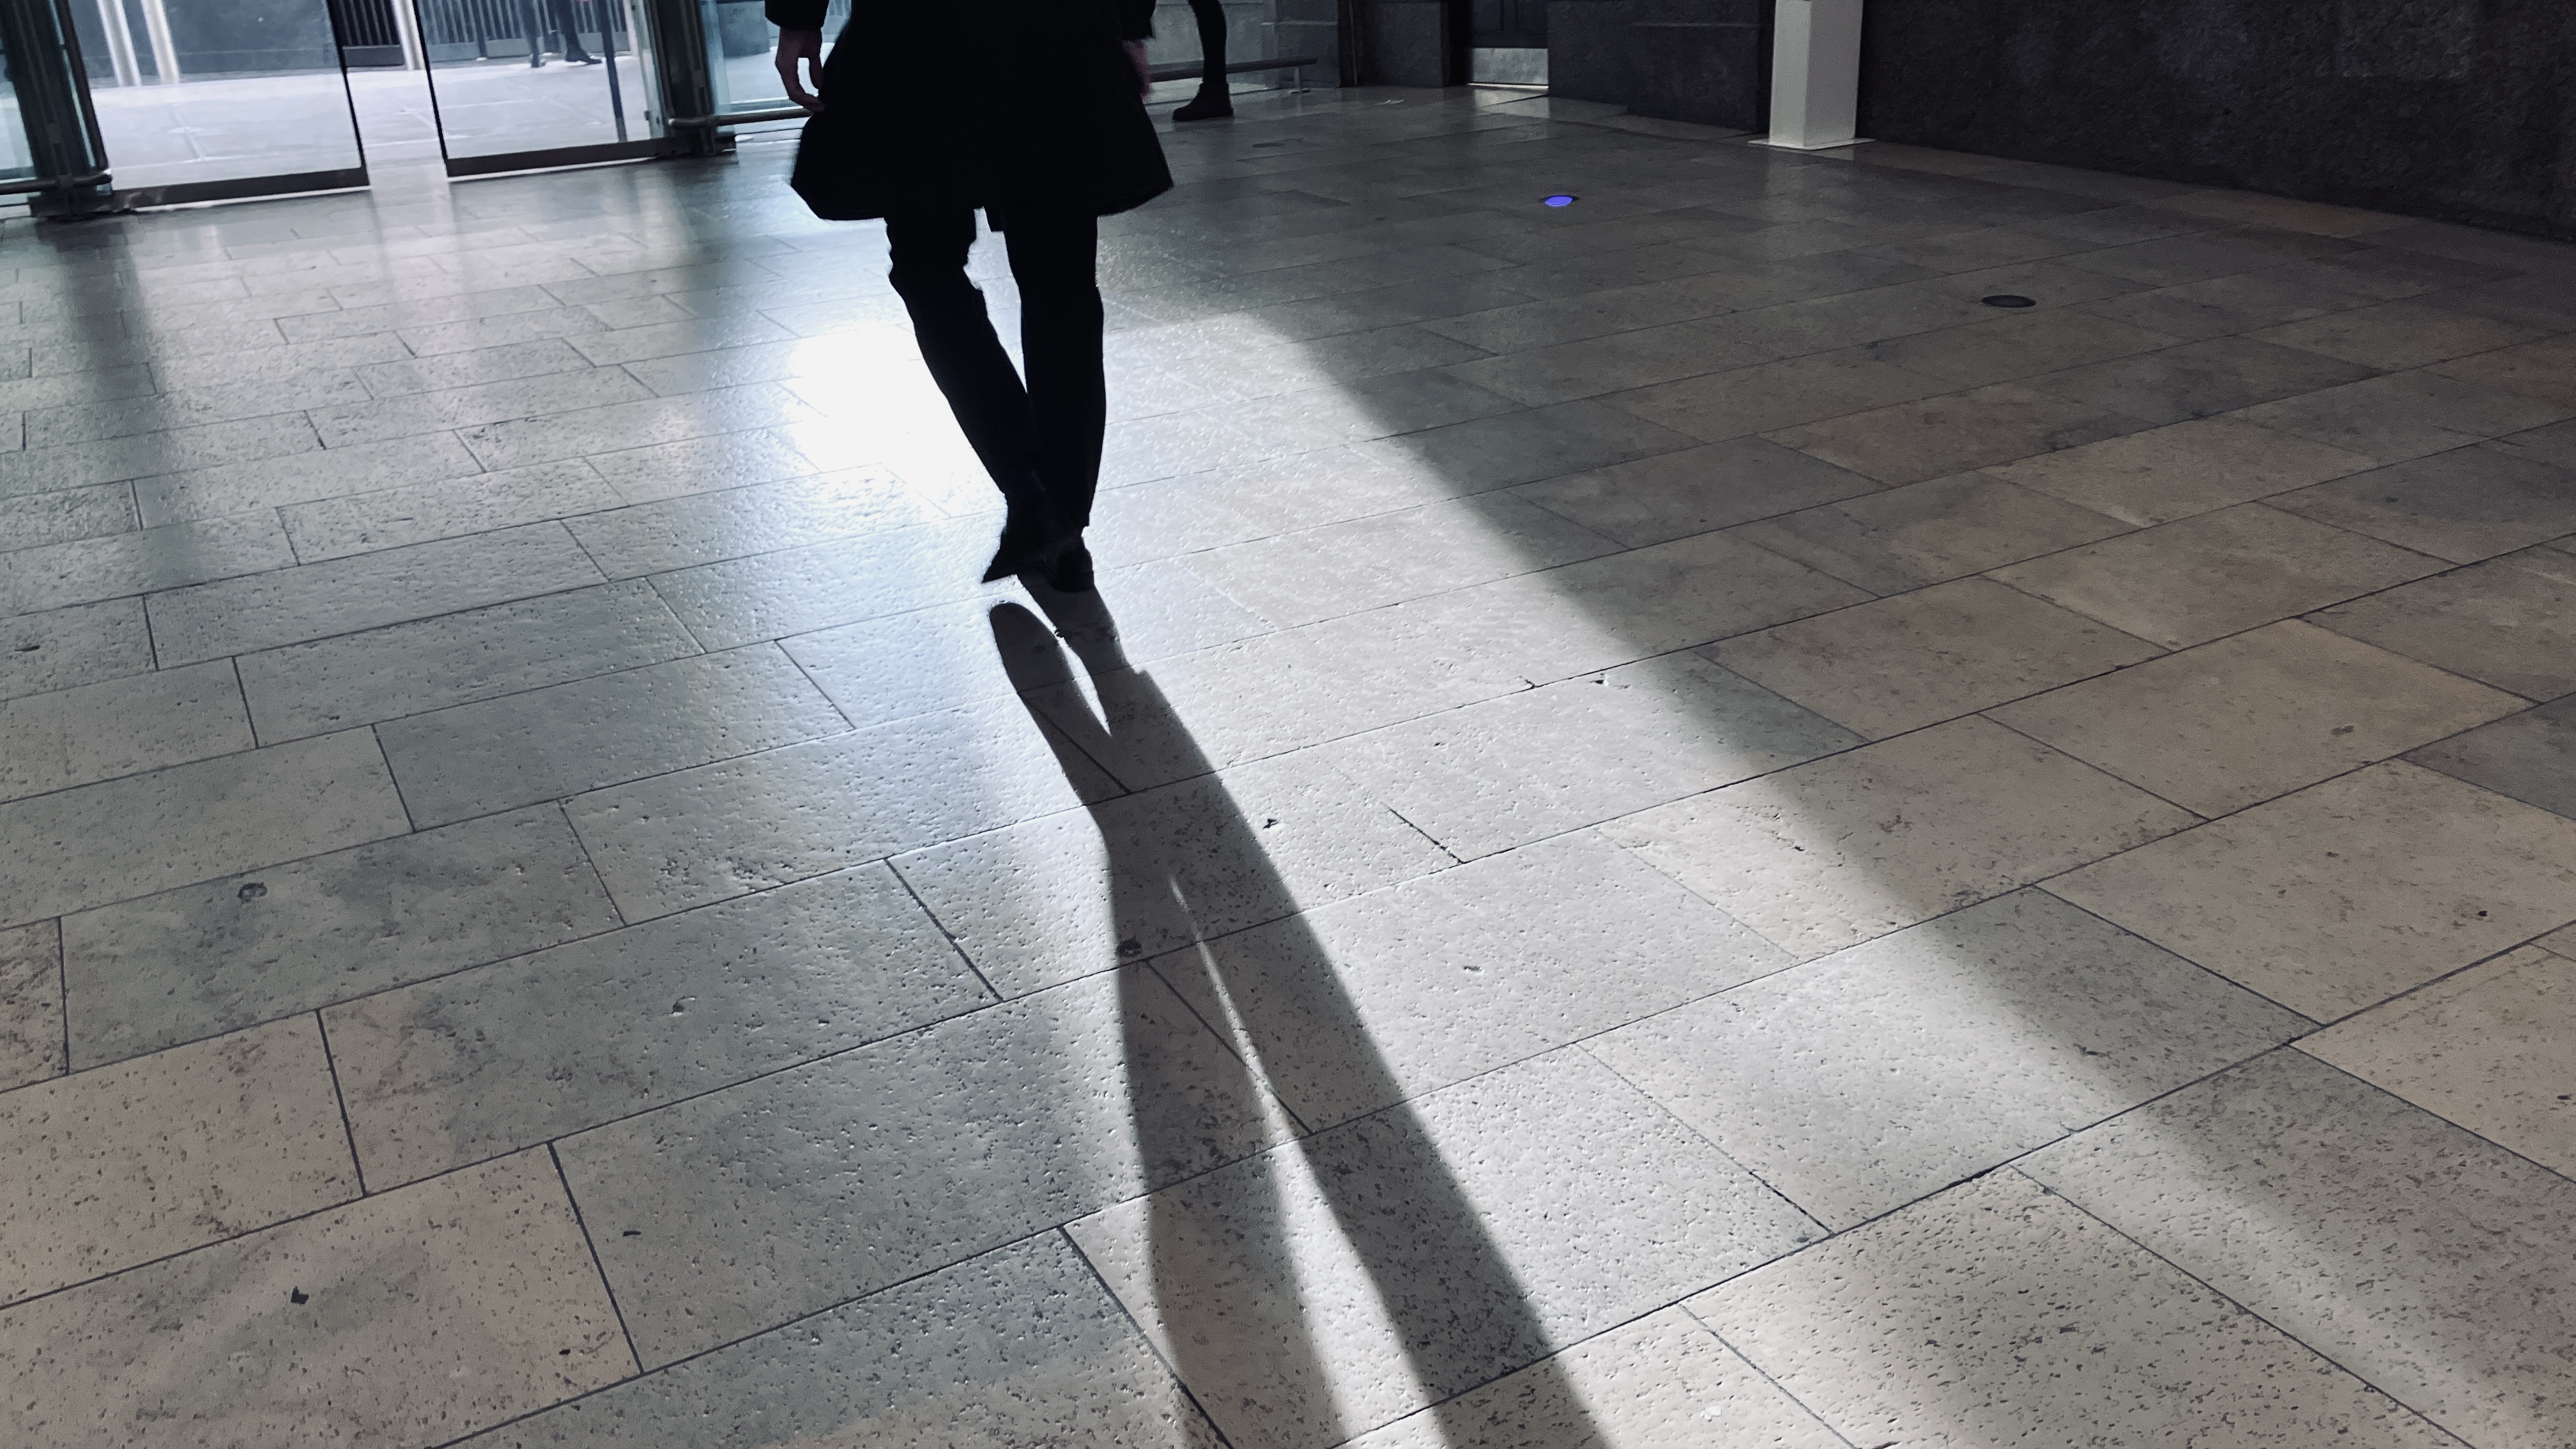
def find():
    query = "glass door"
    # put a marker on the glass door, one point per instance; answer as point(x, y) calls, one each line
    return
point(742, 47)
point(520, 84)
point(211, 100)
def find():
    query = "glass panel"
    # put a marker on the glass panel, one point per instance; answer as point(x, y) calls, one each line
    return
point(16, 163)
point(214, 98)
point(741, 52)
point(513, 77)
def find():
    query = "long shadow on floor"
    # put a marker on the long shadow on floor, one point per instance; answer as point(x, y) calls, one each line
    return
point(1250, 1353)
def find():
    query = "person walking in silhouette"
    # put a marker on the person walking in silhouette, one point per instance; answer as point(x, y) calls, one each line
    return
point(1215, 97)
point(1057, 139)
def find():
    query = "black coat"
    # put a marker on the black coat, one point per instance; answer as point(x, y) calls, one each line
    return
point(1002, 103)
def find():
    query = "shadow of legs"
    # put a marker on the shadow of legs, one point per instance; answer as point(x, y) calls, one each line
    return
point(1221, 1248)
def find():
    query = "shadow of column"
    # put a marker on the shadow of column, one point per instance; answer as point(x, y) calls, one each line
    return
point(1445, 1285)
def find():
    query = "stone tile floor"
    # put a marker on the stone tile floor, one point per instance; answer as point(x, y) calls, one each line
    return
point(1666, 830)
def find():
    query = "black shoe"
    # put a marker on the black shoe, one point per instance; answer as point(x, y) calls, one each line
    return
point(1210, 106)
point(1068, 567)
point(581, 60)
point(1022, 550)
point(536, 61)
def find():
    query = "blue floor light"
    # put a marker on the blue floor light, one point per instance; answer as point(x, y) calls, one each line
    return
point(1560, 200)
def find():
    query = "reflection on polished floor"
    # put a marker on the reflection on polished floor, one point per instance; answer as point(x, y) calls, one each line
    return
point(1666, 830)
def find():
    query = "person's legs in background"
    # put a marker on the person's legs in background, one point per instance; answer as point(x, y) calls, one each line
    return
point(569, 24)
point(532, 20)
point(966, 359)
point(1215, 97)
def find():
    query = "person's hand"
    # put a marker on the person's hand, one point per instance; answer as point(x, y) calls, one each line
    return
point(1135, 57)
point(806, 46)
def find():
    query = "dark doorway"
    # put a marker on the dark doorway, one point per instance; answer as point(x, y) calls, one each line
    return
point(1507, 42)
point(369, 36)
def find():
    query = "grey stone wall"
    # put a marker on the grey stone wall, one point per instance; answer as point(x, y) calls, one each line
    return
point(1683, 60)
point(2459, 109)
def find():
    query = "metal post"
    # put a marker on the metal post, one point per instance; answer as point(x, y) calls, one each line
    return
point(687, 82)
point(53, 104)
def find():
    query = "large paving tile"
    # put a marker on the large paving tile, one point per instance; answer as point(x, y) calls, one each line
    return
point(1524, 766)
point(477, 1064)
point(2216, 573)
point(659, 536)
point(1935, 437)
point(798, 590)
point(120, 727)
point(1661, 1382)
point(58, 575)
point(149, 455)
point(79, 645)
point(422, 512)
point(2398, 334)
point(1078, 892)
point(2174, 472)
point(66, 514)
point(1343, 568)
point(558, 741)
point(2239, 720)
point(400, 1320)
point(1540, 376)
point(1996, 1314)
point(651, 471)
point(31, 1004)
point(312, 601)
point(1775, 395)
point(2019, 346)
point(1523, 447)
point(2488, 1049)
point(119, 1166)
point(1018, 1346)
point(145, 974)
point(900, 665)
point(1829, 854)
point(118, 839)
point(2197, 380)
point(703, 834)
point(2422, 1258)
point(1343, 1282)
point(2349, 892)
point(2464, 505)
point(2535, 370)
point(1674, 495)
point(219, 489)
point(1361, 1003)
point(739, 1211)
point(2510, 622)
point(2530, 756)
point(404, 669)
point(1886, 1072)
point(1924, 533)
point(1883, 668)
point(2406, 415)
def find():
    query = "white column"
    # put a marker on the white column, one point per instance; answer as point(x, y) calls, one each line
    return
point(1815, 74)
point(156, 28)
point(120, 42)
point(407, 27)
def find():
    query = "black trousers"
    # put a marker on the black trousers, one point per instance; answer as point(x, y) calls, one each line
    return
point(1210, 15)
point(1049, 427)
